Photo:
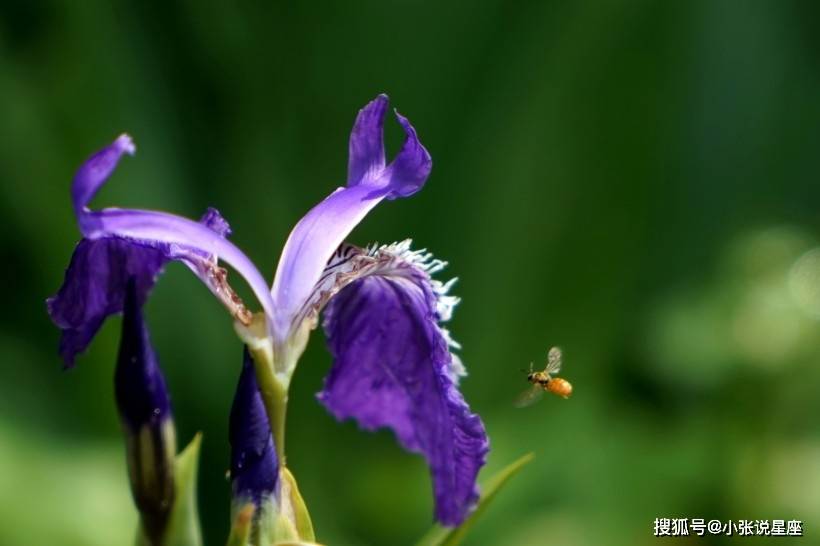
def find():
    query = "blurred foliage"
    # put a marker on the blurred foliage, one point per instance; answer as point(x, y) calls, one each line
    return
point(635, 181)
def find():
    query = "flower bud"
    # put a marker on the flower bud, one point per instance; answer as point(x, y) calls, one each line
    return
point(145, 413)
point(257, 477)
point(254, 463)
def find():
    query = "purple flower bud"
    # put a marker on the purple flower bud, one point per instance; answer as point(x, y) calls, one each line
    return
point(254, 463)
point(142, 397)
point(145, 411)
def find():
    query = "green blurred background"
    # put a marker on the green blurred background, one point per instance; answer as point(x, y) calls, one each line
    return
point(634, 181)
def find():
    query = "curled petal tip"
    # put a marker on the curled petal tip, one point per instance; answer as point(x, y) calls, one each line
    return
point(125, 143)
point(380, 102)
point(214, 221)
point(375, 109)
point(95, 171)
point(411, 167)
point(366, 148)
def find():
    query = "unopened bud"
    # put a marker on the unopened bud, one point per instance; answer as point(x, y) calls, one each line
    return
point(145, 412)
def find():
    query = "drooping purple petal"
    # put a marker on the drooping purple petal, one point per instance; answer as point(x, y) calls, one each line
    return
point(393, 368)
point(95, 286)
point(121, 243)
point(254, 463)
point(95, 281)
point(323, 229)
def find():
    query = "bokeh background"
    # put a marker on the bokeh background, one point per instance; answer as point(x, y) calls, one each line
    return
point(634, 181)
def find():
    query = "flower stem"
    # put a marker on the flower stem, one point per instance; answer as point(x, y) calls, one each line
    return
point(277, 410)
point(274, 364)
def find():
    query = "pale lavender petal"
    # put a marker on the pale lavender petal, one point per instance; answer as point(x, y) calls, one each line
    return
point(393, 368)
point(309, 246)
point(187, 240)
point(322, 230)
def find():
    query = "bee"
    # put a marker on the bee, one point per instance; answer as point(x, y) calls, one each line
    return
point(545, 381)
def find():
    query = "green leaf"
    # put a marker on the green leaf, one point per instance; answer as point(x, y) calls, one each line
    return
point(451, 536)
point(291, 496)
point(183, 526)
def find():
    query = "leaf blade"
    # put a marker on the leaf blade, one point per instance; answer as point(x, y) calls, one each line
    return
point(183, 527)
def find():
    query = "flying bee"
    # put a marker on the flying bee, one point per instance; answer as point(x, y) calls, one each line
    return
point(545, 381)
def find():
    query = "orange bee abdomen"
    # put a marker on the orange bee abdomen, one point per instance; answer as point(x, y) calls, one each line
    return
point(559, 386)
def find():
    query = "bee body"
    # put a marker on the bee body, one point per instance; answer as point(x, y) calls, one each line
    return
point(546, 381)
point(559, 386)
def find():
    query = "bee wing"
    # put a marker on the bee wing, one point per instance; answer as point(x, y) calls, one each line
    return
point(553, 361)
point(529, 396)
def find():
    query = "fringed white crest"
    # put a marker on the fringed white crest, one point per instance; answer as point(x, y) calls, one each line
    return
point(350, 263)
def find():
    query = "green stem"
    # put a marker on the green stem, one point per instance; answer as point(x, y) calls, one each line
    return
point(277, 412)
point(275, 398)
point(274, 364)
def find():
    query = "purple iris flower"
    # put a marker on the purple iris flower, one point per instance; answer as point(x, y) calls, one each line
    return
point(393, 366)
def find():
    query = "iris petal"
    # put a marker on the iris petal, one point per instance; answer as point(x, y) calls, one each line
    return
point(95, 171)
point(192, 242)
point(366, 148)
point(185, 239)
point(322, 230)
point(123, 243)
point(95, 287)
point(393, 368)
